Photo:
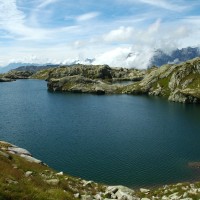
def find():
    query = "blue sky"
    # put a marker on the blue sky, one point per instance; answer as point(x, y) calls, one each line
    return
point(63, 30)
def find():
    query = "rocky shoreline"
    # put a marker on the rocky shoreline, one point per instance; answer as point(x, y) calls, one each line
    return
point(178, 83)
point(6, 80)
point(18, 166)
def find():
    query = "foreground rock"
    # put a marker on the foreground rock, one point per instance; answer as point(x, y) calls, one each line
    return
point(21, 178)
point(12, 149)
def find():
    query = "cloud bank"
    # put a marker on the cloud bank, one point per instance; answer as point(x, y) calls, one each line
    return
point(119, 33)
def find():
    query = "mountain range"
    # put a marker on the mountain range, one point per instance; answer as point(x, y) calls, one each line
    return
point(158, 59)
point(177, 56)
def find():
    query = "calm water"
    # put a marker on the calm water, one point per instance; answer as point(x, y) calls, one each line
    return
point(118, 139)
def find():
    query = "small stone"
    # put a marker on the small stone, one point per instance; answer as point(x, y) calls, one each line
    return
point(87, 183)
point(53, 181)
point(184, 188)
point(28, 173)
point(86, 197)
point(143, 190)
point(60, 174)
point(98, 197)
point(112, 189)
point(113, 196)
point(185, 194)
point(31, 159)
point(19, 151)
point(11, 152)
point(165, 192)
point(165, 198)
point(15, 166)
point(77, 195)
point(192, 185)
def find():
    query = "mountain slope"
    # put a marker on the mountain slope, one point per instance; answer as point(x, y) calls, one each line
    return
point(23, 177)
point(177, 56)
point(179, 83)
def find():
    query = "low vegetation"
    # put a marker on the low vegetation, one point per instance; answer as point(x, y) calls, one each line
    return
point(24, 180)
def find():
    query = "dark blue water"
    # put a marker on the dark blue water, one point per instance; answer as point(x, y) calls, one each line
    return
point(119, 139)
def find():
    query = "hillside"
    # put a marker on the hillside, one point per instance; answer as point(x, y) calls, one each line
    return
point(176, 82)
point(98, 79)
point(23, 177)
point(179, 83)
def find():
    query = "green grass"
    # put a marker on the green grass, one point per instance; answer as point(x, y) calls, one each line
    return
point(42, 74)
point(14, 185)
point(164, 84)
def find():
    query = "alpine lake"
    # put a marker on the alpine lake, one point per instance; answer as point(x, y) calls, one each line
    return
point(129, 140)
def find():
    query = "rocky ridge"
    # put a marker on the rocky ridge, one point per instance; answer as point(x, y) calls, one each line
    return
point(91, 79)
point(25, 177)
point(13, 75)
point(178, 83)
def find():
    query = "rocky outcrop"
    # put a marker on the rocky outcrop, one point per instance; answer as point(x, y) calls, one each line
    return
point(80, 84)
point(12, 149)
point(91, 79)
point(6, 80)
point(13, 75)
point(178, 83)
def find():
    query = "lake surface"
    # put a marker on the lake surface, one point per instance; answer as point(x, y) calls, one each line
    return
point(118, 139)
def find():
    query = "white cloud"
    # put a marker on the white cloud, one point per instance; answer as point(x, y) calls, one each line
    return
point(153, 28)
point(125, 57)
point(121, 34)
point(109, 42)
point(45, 3)
point(13, 21)
point(18, 26)
point(87, 16)
point(114, 57)
point(164, 4)
point(9, 14)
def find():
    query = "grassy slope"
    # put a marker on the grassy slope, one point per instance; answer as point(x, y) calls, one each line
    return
point(14, 185)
